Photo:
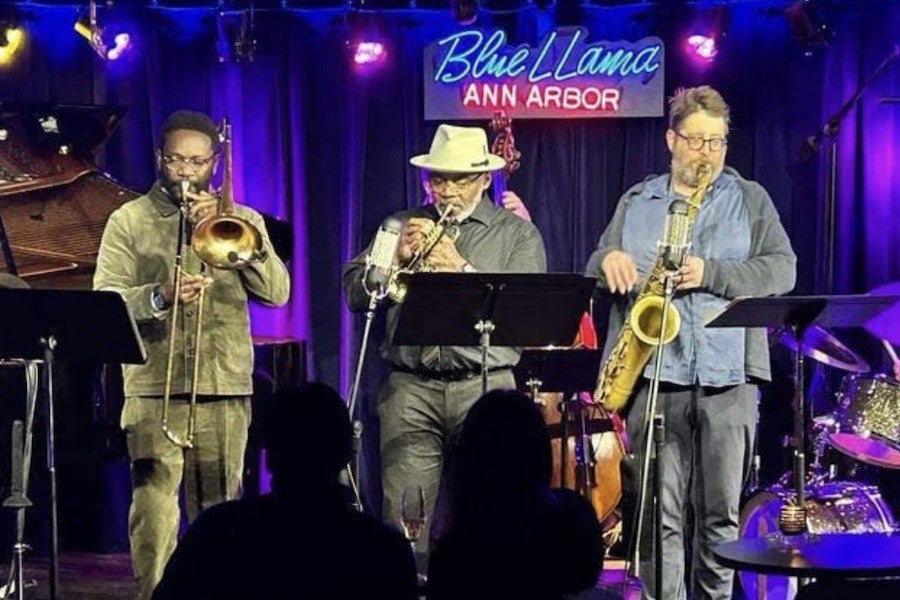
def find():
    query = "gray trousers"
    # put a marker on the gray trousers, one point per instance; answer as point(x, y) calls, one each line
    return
point(706, 458)
point(420, 421)
point(211, 471)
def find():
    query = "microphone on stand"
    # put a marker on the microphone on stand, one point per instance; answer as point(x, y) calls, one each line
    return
point(675, 243)
point(380, 260)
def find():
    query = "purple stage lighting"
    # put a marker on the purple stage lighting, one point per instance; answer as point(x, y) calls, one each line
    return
point(369, 53)
point(702, 47)
point(122, 43)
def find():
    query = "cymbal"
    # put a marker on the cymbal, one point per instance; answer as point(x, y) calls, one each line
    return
point(886, 325)
point(823, 347)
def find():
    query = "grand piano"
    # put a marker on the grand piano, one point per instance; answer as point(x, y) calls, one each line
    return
point(54, 201)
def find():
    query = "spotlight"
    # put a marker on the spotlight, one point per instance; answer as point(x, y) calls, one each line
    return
point(808, 25)
point(707, 30)
point(365, 43)
point(87, 27)
point(465, 12)
point(368, 53)
point(11, 38)
point(702, 47)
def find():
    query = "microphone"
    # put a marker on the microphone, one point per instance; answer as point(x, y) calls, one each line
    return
point(675, 243)
point(380, 260)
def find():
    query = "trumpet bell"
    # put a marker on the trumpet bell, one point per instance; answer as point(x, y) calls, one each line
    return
point(226, 242)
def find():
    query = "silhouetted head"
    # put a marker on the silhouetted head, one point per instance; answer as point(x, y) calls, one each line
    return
point(307, 436)
point(503, 450)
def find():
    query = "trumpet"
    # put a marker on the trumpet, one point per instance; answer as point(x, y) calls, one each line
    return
point(444, 226)
point(223, 241)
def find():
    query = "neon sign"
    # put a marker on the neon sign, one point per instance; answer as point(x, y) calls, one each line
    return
point(472, 73)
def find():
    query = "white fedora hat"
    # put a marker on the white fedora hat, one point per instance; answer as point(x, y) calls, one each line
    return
point(459, 150)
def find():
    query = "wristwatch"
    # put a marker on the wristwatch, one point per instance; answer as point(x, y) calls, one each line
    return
point(157, 301)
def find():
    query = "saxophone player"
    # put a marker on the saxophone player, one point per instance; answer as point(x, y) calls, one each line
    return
point(430, 389)
point(709, 378)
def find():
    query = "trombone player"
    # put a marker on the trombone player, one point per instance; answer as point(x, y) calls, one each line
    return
point(197, 335)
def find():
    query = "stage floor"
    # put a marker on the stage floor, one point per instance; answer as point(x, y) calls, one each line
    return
point(84, 576)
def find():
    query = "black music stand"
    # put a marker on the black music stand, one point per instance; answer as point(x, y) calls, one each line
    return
point(492, 309)
point(798, 313)
point(73, 326)
point(569, 371)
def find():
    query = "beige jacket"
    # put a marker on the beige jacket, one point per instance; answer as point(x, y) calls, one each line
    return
point(137, 253)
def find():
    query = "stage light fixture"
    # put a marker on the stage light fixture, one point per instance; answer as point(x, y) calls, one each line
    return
point(808, 25)
point(11, 39)
point(702, 47)
point(465, 12)
point(87, 27)
point(236, 35)
point(365, 43)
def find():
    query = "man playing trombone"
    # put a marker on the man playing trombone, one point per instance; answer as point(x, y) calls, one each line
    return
point(187, 410)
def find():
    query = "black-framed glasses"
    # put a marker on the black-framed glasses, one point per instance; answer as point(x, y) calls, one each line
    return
point(441, 181)
point(194, 162)
point(696, 142)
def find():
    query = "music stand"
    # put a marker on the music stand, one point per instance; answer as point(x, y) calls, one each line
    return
point(73, 326)
point(798, 313)
point(492, 309)
point(565, 370)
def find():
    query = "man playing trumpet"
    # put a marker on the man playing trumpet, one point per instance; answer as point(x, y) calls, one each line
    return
point(424, 400)
point(136, 259)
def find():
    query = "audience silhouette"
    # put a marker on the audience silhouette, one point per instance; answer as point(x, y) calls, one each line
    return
point(304, 540)
point(509, 535)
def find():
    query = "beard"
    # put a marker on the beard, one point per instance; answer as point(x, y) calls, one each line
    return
point(688, 173)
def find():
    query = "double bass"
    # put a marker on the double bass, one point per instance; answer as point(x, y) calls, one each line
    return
point(595, 473)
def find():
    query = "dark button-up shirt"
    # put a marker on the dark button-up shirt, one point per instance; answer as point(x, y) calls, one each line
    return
point(491, 239)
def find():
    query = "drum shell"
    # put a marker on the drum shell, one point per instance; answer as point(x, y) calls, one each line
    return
point(833, 507)
point(868, 418)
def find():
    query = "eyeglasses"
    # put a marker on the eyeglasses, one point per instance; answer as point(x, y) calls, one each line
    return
point(696, 142)
point(194, 162)
point(459, 182)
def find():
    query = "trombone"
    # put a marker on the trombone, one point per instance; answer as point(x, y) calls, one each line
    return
point(223, 241)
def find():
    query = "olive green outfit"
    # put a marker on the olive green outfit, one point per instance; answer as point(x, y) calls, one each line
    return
point(136, 255)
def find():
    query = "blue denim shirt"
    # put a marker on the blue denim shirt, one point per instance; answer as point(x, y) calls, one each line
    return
point(745, 251)
point(713, 357)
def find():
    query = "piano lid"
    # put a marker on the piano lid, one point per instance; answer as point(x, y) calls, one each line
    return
point(54, 202)
point(45, 145)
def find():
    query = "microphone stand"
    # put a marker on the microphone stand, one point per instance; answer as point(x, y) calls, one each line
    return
point(811, 146)
point(21, 468)
point(656, 441)
point(352, 469)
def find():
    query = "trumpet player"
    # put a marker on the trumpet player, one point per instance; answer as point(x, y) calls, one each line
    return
point(709, 377)
point(430, 389)
point(137, 259)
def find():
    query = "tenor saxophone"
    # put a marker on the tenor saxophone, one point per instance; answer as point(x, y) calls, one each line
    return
point(641, 331)
point(418, 262)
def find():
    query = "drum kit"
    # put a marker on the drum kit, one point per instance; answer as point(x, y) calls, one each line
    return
point(864, 426)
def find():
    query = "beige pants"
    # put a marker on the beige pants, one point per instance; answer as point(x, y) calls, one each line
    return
point(211, 471)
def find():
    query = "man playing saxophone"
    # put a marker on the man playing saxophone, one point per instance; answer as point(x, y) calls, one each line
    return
point(709, 377)
point(430, 389)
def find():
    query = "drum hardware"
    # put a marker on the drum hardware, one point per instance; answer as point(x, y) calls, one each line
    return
point(831, 507)
point(822, 347)
point(867, 420)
